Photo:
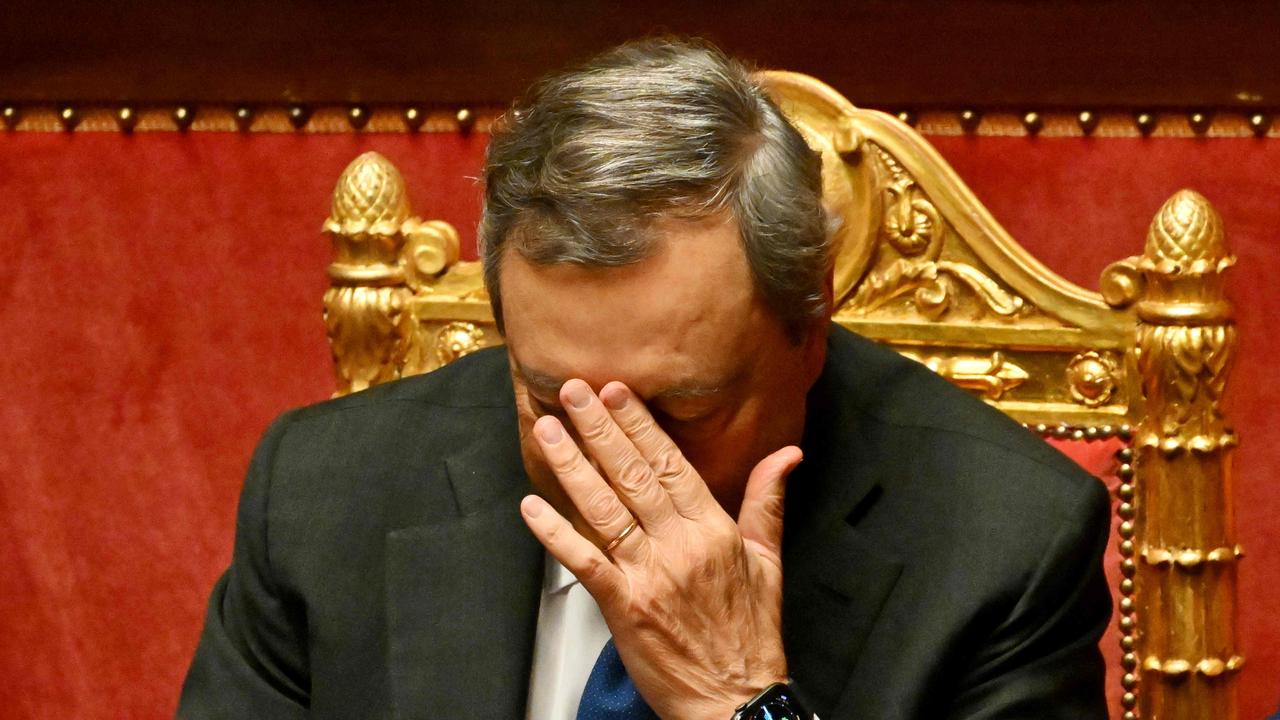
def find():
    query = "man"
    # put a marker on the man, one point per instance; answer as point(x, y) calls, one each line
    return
point(591, 523)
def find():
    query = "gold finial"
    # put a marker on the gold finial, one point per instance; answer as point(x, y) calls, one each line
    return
point(370, 197)
point(366, 309)
point(1186, 237)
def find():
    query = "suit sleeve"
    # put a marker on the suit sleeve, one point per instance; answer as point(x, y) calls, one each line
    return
point(1043, 661)
point(251, 661)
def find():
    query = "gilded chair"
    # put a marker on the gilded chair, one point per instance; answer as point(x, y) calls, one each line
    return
point(924, 268)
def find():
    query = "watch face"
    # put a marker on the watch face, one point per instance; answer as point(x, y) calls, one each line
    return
point(777, 702)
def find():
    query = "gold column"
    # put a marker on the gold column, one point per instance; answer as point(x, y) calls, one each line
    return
point(365, 309)
point(1184, 562)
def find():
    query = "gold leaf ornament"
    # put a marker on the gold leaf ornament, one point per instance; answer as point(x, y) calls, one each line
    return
point(458, 339)
point(911, 222)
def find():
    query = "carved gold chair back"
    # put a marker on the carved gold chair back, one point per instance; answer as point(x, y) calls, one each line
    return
point(925, 269)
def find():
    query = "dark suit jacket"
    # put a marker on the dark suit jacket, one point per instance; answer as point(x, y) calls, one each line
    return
point(940, 561)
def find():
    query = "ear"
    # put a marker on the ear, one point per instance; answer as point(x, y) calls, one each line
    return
point(829, 289)
point(815, 349)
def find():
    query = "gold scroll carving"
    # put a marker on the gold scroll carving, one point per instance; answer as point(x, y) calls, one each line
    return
point(922, 266)
point(913, 231)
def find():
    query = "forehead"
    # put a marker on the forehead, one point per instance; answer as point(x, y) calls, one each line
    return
point(687, 315)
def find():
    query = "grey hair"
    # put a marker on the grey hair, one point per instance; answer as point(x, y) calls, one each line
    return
point(658, 128)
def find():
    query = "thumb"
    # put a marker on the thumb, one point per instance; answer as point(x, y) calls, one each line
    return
point(760, 519)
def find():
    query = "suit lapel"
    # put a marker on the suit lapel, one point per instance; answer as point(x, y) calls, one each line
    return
point(463, 594)
point(835, 580)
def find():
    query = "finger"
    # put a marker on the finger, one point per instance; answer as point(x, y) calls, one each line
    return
point(626, 470)
point(595, 500)
point(689, 494)
point(760, 519)
point(579, 555)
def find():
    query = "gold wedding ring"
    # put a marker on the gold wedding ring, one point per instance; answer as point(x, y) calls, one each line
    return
point(621, 536)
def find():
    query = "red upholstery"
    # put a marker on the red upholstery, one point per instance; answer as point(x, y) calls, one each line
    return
point(1099, 458)
point(159, 303)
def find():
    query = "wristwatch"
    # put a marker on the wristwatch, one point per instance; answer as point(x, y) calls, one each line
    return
point(776, 702)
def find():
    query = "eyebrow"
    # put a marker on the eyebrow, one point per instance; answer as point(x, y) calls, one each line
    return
point(690, 391)
point(548, 385)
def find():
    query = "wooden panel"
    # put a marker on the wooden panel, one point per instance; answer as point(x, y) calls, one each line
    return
point(985, 53)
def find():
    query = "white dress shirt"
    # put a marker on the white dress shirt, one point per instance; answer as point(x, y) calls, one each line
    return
point(571, 633)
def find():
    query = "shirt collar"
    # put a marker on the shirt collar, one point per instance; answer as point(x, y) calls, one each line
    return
point(557, 577)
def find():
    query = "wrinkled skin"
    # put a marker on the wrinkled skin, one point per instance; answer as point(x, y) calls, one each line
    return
point(665, 391)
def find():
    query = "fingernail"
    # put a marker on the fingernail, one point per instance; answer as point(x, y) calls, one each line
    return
point(579, 395)
point(550, 432)
point(532, 506)
point(615, 399)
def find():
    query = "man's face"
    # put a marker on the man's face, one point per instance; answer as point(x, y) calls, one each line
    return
point(684, 329)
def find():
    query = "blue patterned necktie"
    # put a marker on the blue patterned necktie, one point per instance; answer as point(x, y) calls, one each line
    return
point(610, 694)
